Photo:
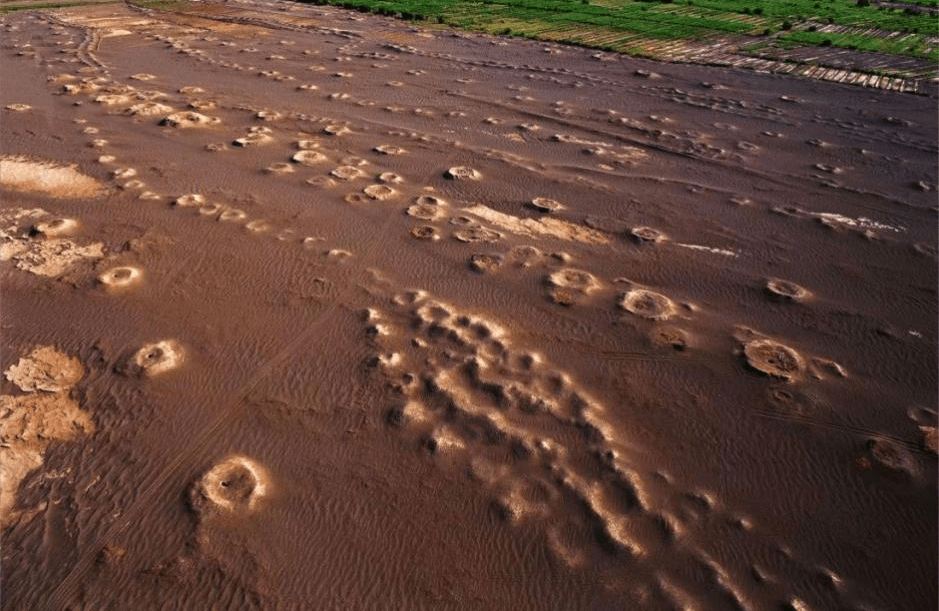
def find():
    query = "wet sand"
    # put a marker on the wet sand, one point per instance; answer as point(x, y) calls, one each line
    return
point(310, 309)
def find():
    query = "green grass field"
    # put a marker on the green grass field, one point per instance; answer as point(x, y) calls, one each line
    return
point(628, 25)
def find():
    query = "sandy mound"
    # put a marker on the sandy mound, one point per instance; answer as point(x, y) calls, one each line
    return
point(237, 484)
point(56, 228)
point(482, 263)
point(149, 109)
point(154, 359)
point(569, 286)
point(892, 455)
point(46, 177)
point(544, 204)
point(425, 232)
point(647, 234)
point(380, 192)
point(29, 423)
point(786, 290)
point(120, 277)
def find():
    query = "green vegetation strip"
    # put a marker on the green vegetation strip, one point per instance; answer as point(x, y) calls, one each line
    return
point(9, 8)
point(911, 46)
point(658, 18)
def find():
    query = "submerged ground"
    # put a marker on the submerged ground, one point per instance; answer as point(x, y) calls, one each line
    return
point(304, 308)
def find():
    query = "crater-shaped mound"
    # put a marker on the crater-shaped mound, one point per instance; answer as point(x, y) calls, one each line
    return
point(120, 277)
point(646, 234)
point(648, 304)
point(544, 204)
point(188, 118)
point(786, 290)
point(773, 359)
point(307, 157)
point(237, 484)
point(159, 357)
point(462, 173)
point(56, 228)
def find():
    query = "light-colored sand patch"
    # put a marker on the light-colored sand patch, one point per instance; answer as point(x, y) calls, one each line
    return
point(29, 423)
point(46, 369)
point(539, 228)
point(45, 177)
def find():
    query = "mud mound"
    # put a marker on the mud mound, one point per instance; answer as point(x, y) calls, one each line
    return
point(648, 304)
point(773, 359)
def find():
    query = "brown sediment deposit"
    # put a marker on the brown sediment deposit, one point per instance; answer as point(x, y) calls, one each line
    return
point(557, 396)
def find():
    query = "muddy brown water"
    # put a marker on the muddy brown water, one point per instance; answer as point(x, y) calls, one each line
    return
point(347, 413)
